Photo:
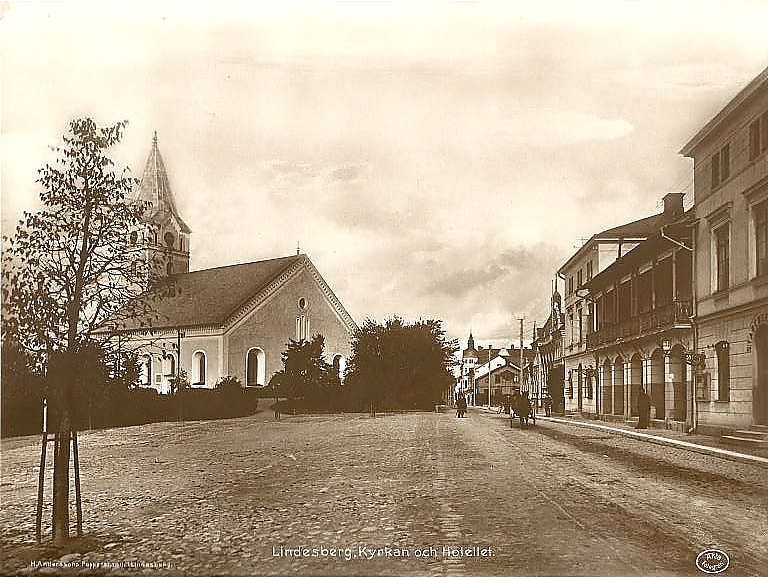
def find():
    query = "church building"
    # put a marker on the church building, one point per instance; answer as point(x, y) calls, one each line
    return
point(227, 321)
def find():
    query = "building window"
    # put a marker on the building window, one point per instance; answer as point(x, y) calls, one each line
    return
point(758, 137)
point(570, 285)
point(721, 166)
point(589, 271)
point(254, 368)
point(764, 133)
point(199, 368)
point(169, 239)
point(146, 370)
point(754, 140)
point(722, 250)
point(302, 328)
point(581, 321)
point(723, 371)
point(579, 279)
point(761, 238)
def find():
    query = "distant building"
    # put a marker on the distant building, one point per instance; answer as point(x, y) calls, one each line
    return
point(503, 364)
point(547, 368)
point(730, 156)
point(227, 321)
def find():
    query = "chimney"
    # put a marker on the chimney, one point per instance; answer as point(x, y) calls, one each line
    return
point(673, 204)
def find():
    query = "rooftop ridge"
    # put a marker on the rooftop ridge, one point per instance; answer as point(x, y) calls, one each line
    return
point(239, 264)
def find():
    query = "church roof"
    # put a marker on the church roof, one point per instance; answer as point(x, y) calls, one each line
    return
point(155, 189)
point(212, 296)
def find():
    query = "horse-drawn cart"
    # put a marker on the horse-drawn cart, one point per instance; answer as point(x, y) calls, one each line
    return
point(521, 408)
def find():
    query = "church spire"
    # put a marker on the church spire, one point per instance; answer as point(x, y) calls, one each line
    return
point(155, 191)
point(167, 240)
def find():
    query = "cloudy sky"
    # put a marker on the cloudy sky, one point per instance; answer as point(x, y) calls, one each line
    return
point(435, 160)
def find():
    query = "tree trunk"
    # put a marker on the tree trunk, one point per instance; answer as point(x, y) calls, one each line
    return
point(61, 483)
point(62, 367)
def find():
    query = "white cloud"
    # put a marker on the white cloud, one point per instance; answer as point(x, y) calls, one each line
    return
point(434, 159)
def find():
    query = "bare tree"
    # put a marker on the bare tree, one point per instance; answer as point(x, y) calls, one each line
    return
point(69, 268)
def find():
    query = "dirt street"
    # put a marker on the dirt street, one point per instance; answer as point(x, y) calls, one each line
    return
point(405, 494)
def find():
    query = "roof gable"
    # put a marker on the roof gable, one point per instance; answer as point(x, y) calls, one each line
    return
point(224, 295)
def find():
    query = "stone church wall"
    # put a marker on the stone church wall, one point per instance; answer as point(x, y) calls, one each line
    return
point(271, 325)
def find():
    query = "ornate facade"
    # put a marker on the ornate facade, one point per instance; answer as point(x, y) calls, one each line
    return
point(730, 155)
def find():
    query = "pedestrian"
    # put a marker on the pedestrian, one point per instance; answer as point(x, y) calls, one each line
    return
point(461, 407)
point(548, 405)
point(643, 409)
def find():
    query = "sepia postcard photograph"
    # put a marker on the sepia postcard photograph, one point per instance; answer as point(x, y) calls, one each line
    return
point(384, 288)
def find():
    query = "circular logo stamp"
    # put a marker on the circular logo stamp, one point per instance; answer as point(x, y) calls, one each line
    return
point(713, 561)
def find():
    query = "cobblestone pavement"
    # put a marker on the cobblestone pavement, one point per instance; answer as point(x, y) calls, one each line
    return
point(240, 496)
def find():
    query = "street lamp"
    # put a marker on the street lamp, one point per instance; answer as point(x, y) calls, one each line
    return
point(693, 358)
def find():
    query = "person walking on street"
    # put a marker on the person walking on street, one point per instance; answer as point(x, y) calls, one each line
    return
point(548, 405)
point(461, 407)
point(644, 410)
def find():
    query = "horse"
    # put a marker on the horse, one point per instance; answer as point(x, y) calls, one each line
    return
point(522, 407)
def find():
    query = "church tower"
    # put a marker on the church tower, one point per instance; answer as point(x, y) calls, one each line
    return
point(165, 235)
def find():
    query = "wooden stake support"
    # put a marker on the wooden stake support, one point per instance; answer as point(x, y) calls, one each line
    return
point(56, 438)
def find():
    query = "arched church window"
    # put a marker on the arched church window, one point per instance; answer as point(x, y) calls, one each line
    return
point(339, 364)
point(169, 239)
point(198, 364)
point(146, 370)
point(254, 368)
point(134, 237)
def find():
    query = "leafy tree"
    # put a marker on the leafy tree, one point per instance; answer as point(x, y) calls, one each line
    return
point(179, 381)
point(125, 369)
point(401, 365)
point(230, 387)
point(305, 372)
point(69, 268)
point(22, 391)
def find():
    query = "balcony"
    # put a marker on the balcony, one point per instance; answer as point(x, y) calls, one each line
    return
point(672, 315)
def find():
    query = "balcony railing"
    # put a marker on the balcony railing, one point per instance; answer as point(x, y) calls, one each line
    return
point(674, 314)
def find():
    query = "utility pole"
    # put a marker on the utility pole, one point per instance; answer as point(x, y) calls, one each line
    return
point(522, 374)
point(489, 375)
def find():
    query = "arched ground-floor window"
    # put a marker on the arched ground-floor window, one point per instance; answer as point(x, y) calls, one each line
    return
point(339, 364)
point(198, 368)
point(146, 370)
point(255, 368)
